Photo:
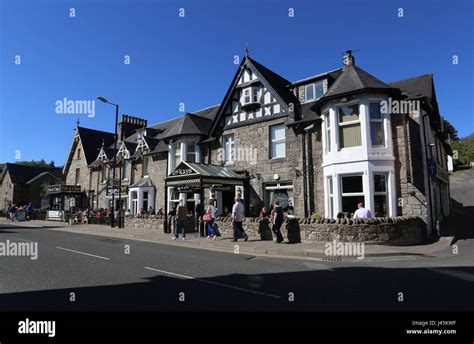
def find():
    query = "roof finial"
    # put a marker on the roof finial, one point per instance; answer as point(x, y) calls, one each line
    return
point(246, 49)
point(102, 142)
point(78, 122)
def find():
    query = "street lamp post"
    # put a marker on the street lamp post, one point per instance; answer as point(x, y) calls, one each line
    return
point(112, 219)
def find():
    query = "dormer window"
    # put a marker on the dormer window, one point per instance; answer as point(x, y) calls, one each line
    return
point(247, 95)
point(250, 98)
point(314, 91)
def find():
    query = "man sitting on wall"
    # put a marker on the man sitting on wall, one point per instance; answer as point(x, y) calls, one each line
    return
point(361, 212)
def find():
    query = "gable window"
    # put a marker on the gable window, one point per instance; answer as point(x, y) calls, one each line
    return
point(349, 126)
point(78, 154)
point(125, 169)
point(247, 96)
point(380, 194)
point(377, 134)
point(255, 94)
point(176, 154)
point(314, 91)
point(145, 166)
point(229, 145)
point(328, 132)
point(277, 141)
point(78, 175)
point(132, 174)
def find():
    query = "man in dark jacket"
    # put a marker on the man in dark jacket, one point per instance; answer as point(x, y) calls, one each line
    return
point(277, 220)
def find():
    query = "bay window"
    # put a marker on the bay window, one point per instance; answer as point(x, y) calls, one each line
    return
point(331, 197)
point(191, 152)
point(377, 134)
point(349, 126)
point(176, 154)
point(380, 195)
point(352, 193)
point(328, 132)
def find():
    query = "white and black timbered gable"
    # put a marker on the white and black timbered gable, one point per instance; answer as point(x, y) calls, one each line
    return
point(253, 98)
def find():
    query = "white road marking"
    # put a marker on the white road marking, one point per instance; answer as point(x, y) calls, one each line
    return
point(213, 283)
point(86, 254)
point(23, 239)
point(454, 273)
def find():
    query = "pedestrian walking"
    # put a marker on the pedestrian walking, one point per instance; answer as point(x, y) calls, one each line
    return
point(209, 218)
point(181, 214)
point(277, 221)
point(238, 214)
point(197, 215)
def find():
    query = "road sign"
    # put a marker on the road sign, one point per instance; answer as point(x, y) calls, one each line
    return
point(432, 169)
point(115, 191)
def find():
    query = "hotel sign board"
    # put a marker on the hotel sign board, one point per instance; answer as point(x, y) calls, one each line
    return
point(55, 215)
point(56, 189)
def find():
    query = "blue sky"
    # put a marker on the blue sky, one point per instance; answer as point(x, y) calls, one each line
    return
point(190, 59)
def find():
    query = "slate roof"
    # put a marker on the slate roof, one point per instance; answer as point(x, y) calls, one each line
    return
point(418, 87)
point(355, 79)
point(189, 124)
point(278, 83)
point(207, 170)
point(21, 174)
point(142, 182)
point(92, 142)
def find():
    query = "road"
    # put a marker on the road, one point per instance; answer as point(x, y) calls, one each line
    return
point(103, 275)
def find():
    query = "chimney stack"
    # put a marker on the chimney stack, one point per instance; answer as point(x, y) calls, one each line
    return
point(129, 125)
point(348, 59)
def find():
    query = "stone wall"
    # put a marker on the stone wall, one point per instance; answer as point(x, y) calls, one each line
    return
point(401, 230)
point(257, 136)
point(396, 230)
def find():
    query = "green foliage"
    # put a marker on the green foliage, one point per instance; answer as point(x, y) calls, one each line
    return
point(316, 216)
point(463, 150)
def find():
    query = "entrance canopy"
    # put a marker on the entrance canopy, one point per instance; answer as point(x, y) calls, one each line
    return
point(194, 176)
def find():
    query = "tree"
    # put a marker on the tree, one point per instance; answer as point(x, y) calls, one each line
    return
point(450, 130)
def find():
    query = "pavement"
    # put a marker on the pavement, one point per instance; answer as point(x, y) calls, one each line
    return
point(310, 251)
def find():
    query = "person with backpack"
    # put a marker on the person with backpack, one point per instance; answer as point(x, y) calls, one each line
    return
point(277, 220)
point(238, 214)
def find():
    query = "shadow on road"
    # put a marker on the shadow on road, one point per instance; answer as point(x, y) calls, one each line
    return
point(340, 289)
point(460, 222)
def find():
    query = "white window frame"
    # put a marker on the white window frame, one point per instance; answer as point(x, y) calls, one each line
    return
point(229, 145)
point(313, 86)
point(381, 120)
point(176, 149)
point(381, 193)
point(275, 141)
point(350, 194)
point(330, 186)
point(327, 140)
point(188, 153)
point(244, 95)
point(344, 124)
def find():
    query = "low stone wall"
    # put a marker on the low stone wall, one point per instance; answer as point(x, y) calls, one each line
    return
point(401, 230)
point(146, 222)
point(396, 231)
